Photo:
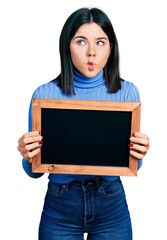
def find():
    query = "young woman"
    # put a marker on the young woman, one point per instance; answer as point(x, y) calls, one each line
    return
point(75, 204)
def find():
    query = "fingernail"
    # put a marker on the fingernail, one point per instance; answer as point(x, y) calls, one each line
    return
point(41, 142)
point(130, 145)
point(134, 134)
point(40, 138)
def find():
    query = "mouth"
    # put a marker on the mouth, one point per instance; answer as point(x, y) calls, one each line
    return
point(91, 63)
point(91, 66)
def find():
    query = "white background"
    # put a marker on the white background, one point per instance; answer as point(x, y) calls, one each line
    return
point(29, 57)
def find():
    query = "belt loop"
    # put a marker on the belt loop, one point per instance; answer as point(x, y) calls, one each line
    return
point(68, 186)
point(100, 186)
point(98, 183)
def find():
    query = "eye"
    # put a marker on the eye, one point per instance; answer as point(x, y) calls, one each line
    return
point(100, 43)
point(81, 42)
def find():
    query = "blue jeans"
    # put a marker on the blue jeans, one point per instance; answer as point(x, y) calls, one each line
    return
point(97, 207)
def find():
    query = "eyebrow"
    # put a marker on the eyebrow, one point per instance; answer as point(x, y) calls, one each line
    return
point(100, 38)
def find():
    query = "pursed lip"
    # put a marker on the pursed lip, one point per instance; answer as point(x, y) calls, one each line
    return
point(91, 63)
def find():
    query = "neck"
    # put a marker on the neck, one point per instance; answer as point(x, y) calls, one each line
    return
point(81, 81)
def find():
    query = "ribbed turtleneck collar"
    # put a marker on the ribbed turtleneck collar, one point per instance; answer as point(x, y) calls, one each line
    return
point(81, 81)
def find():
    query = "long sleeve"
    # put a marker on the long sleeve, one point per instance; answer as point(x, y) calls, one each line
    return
point(26, 166)
point(85, 89)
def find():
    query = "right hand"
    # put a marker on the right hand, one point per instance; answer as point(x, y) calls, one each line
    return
point(29, 145)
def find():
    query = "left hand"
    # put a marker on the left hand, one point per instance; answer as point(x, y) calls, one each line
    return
point(139, 145)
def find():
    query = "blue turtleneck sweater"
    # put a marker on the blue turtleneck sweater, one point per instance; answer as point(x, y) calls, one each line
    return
point(85, 89)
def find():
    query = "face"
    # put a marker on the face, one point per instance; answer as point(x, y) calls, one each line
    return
point(90, 49)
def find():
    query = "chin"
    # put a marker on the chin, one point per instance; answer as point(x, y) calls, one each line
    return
point(90, 74)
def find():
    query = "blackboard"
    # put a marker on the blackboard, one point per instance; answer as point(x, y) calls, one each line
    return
point(85, 137)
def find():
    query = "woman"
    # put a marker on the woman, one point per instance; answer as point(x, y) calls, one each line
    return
point(76, 204)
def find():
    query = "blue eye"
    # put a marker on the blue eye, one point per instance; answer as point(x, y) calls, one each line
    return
point(81, 42)
point(100, 43)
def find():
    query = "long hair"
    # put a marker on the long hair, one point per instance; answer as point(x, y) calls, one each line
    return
point(111, 70)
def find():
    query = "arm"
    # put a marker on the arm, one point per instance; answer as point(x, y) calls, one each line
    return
point(139, 145)
point(28, 149)
point(30, 144)
point(139, 142)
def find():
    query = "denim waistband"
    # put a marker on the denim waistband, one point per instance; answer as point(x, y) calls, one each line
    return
point(89, 183)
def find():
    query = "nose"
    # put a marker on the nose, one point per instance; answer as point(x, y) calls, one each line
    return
point(91, 51)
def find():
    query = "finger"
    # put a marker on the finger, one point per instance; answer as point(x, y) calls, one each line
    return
point(137, 140)
point(144, 136)
point(139, 148)
point(29, 140)
point(137, 155)
point(30, 147)
point(32, 154)
point(31, 134)
point(27, 135)
point(140, 135)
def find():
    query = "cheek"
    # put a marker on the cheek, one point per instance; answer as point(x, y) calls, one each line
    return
point(103, 59)
point(73, 57)
point(107, 53)
point(77, 56)
point(105, 56)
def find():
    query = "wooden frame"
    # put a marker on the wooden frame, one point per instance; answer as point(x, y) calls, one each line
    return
point(133, 107)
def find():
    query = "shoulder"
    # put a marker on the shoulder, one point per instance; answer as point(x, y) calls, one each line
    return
point(47, 90)
point(131, 91)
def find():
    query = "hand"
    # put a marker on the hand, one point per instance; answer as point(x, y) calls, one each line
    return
point(29, 145)
point(139, 145)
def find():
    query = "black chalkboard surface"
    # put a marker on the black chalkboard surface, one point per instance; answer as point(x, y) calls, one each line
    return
point(85, 137)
